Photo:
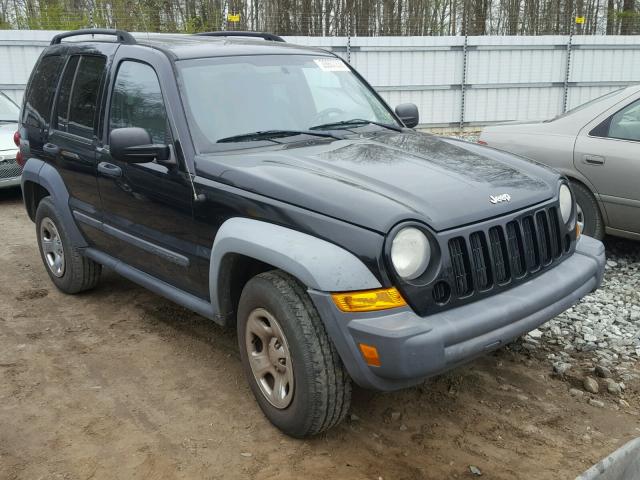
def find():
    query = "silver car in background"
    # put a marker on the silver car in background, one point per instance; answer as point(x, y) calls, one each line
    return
point(596, 145)
point(10, 170)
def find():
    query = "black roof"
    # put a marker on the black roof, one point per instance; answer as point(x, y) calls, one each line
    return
point(197, 46)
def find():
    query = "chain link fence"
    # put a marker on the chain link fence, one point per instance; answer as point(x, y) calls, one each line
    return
point(332, 17)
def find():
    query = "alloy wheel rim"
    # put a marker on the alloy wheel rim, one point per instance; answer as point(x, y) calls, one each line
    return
point(52, 248)
point(269, 358)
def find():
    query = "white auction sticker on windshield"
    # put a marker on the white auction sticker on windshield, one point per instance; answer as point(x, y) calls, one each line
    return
point(331, 64)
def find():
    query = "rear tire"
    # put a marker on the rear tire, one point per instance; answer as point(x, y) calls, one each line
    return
point(68, 269)
point(278, 322)
point(588, 211)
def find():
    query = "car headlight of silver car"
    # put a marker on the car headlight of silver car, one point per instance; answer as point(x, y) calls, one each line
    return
point(410, 253)
point(566, 203)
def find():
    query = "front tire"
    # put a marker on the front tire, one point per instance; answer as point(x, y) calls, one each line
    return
point(589, 215)
point(68, 269)
point(292, 367)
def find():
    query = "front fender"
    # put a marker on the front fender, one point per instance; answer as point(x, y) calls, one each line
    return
point(318, 264)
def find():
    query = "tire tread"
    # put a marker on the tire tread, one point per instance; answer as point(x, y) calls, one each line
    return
point(332, 392)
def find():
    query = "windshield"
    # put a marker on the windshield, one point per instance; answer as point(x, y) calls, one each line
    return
point(235, 96)
point(9, 111)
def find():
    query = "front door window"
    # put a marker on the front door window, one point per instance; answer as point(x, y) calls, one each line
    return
point(137, 101)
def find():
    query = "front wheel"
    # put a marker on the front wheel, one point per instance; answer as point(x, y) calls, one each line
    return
point(588, 213)
point(292, 367)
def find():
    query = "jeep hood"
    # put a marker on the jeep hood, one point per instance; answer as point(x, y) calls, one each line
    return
point(378, 181)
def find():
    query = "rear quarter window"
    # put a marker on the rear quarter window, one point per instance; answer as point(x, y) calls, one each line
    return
point(44, 79)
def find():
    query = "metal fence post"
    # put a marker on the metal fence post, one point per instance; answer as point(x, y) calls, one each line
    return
point(567, 73)
point(92, 18)
point(225, 11)
point(463, 84)
point(349, 39)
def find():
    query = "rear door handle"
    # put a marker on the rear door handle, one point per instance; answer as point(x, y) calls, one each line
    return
point(109, 169)
point(71, 155)
point(51, 149)
point(594, 160)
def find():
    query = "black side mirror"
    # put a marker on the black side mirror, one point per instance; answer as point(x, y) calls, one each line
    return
point(133, 145)
point(408, 113)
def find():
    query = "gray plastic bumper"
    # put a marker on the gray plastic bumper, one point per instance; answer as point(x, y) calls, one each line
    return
point(412, 348)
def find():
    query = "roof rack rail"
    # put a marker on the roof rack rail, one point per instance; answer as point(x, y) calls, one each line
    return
point(235, 33)
point(122, 36)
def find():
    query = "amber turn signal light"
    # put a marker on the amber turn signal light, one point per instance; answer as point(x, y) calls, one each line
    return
point(368, 300)
point(578, 231)
point(370, 354)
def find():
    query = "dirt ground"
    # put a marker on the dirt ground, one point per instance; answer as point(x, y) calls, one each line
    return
point(119, 383)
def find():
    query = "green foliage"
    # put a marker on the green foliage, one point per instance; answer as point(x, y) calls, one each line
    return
point(56, 16)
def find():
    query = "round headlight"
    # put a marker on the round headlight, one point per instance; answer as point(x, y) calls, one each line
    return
point(410, 253)
point(566, 203)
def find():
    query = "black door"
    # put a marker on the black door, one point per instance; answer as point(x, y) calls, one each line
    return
point(147, 207)
point(71, 144)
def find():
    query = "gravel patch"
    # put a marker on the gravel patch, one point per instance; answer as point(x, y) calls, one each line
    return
point(604, 327)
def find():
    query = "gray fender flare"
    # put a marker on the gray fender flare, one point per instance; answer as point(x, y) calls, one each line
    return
point(318, 264)
point(43, 174)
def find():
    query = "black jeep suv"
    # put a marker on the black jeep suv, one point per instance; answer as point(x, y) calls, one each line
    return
point(269, 188)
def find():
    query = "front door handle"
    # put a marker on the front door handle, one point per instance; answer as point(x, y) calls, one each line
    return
point(109, 169)
point(594, 160)
point(51, 149)
point(102, 151)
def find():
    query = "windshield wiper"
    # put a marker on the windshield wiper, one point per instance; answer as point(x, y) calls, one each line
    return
point(269, 134)
point(355, 122)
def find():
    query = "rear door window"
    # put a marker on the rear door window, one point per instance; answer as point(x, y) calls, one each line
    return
point(84, 96)
point(623, 125)
point(37, 109)
point(64, 94)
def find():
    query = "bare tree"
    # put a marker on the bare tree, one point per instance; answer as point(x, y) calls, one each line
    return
point(331, 17)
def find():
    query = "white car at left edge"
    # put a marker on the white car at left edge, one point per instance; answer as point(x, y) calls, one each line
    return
point(10, 169)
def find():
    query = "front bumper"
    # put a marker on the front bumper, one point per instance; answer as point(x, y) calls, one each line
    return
point(412, 348)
